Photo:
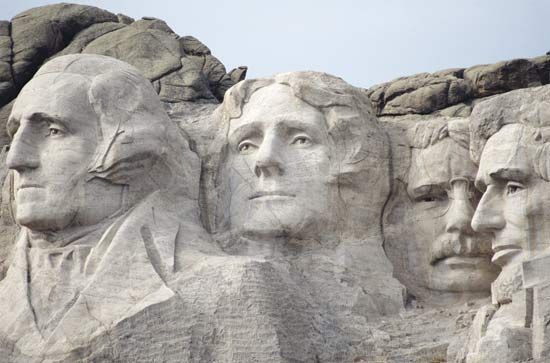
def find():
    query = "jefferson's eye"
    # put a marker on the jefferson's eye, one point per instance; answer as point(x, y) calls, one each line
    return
point(513, 188)
point(301, 140)
point(246, 147)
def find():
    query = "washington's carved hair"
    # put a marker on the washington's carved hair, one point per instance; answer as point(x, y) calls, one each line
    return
point(532, 112)
point(358, 142)
point(137, 143)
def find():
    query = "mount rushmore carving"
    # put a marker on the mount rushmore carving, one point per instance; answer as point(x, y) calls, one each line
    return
point(166, 211)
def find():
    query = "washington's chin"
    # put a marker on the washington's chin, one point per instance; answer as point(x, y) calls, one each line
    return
point(463, 274)
point(39, 218)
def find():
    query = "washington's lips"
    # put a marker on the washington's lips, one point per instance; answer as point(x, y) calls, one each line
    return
point(271, 194)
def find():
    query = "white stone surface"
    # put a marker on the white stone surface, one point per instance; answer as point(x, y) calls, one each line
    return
point(105, 191)
point(307, 231)
point(427, 228)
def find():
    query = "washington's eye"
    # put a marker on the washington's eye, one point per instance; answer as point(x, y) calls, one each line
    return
point(513, 188)
point(54, 131)
point(301, 140)
point(245, 147)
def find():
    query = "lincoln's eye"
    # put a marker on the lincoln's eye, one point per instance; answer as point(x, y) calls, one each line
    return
point(513, 188)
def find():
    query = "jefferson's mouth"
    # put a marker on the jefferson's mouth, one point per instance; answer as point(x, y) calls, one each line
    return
point(275, 194)
point(460, 262)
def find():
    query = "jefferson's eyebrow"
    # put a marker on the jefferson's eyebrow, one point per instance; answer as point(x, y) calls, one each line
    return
point(290, 124)
point(244, 130)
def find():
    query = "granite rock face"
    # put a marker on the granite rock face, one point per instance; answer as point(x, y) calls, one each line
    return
point(182, 68)
point(156, 207)
point(426, 93)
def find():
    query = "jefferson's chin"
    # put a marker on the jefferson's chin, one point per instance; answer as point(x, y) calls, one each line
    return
point(463, 274)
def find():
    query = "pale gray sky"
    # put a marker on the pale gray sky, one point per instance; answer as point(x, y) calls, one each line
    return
point(365, 42)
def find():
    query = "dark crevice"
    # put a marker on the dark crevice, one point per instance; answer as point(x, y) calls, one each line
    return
point(12, 73)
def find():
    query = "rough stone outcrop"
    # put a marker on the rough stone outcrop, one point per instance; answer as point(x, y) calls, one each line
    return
point(302, 220)
point(426, 93)
point(181, 68)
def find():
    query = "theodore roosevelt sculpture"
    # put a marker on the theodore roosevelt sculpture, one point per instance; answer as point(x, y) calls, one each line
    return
point(102, 181)
point(434, 250)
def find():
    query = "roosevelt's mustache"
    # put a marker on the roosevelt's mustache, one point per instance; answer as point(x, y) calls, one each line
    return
point(459, 245)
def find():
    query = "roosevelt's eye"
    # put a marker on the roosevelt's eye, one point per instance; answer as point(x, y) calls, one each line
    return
point(245, 147)
point(514, 187)
point(430, 198)
point(301, 140)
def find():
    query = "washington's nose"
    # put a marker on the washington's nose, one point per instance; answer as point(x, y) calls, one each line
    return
point(21, 155)
point(268, 160)
point(488, 214)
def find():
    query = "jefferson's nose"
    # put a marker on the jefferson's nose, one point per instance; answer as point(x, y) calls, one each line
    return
point(459, 216)
point(488, 215)
point(268, 160)
point(22, 153)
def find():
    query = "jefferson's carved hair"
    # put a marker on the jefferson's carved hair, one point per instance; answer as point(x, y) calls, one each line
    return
point(137, 141)
point(359, 144)
point(532, 110)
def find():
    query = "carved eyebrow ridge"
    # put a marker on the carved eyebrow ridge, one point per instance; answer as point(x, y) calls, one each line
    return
point(41, 116)
point(515, 174)
point(501, 174)
point(281, 124)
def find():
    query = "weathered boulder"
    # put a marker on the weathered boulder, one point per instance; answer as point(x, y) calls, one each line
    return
point(426, 93)
point(504, 76)
point(182, 69)
point(6, 74)
point(421, 94)
point(145, 44)
point(88, 35)
point(41, 32)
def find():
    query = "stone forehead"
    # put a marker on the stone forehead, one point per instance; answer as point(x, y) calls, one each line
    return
point(88, 65)
point(530, 107)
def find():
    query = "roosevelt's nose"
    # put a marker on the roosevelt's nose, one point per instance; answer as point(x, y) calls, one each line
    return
point(488, 214)
point(459, 216)
point(22, 153)
point(268, 158)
